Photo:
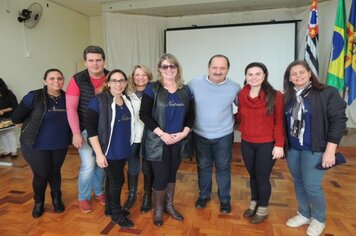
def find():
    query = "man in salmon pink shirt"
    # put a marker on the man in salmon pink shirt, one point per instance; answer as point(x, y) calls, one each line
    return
point(81, 88)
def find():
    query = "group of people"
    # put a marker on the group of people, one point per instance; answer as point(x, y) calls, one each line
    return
point(113, 119)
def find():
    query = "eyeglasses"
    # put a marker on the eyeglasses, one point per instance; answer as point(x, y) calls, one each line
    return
point(115, 81)
point(171, 66)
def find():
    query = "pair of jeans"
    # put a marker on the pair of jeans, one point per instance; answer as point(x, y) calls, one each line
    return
point(259, 164)
point(134, 161)
point(209, 152)
point(91, 176)
point(308, 182)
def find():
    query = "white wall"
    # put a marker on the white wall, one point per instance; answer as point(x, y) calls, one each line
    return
point(96, 31)
point(56, 41)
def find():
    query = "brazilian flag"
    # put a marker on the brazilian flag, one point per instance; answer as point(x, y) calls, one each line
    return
point(350, 61)
point(335, 75)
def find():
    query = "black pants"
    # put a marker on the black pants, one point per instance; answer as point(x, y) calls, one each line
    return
point(115, 181)
point(165, 171)
point(46, 167)
point(259, 163)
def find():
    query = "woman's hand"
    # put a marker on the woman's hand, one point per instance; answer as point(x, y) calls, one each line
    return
point(277, 153)
point(167, 138)
point(328, 159)
point(101, 161)
point(329, 155)
point(178, 136)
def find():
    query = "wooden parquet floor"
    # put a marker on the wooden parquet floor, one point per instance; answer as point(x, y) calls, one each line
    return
point(16, 204)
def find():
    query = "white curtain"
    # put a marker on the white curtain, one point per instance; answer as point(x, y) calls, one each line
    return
point(132, 40)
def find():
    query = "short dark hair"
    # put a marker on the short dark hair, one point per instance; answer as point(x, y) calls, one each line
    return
point(93, 49)
point(51, 70)
point(220, 55)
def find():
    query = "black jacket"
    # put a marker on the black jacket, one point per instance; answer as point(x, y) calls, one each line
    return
point(102, 124)
point(87, 91)
point(152, 113)
point(31, 119)
point(328, 118)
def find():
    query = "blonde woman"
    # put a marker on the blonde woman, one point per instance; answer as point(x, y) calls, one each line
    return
point(167, 110)
point(141, 75)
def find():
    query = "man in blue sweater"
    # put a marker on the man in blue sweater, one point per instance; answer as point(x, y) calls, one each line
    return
point(214, 96)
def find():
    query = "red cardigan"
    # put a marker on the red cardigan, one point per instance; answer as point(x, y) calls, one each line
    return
point(254, 123)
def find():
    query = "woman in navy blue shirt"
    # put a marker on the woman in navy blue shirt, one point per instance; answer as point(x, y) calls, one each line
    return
point(315, 123)
point(109, 121)
point(167, 110)
point(45, 136)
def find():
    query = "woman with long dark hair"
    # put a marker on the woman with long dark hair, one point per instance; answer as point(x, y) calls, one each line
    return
point(315, 123)
point(260, 118)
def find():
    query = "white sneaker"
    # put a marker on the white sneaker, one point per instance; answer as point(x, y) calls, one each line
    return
point(315, 228)
point(297, 221)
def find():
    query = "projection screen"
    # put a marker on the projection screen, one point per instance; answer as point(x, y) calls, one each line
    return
point(272, 43)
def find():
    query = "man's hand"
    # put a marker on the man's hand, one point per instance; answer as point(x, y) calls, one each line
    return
point(78, 140)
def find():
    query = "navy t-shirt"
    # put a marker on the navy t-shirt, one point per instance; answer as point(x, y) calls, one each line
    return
point(307, 137)
point(54, 132)
point(120, 139)
point(174, 111)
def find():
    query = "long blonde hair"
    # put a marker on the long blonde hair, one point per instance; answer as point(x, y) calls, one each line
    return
point(172, 59)
point(131, 87)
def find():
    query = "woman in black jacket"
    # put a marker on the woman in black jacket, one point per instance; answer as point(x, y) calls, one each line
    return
point(167, 110)
point(315, 123)
point(109, 122)
point(45, 136)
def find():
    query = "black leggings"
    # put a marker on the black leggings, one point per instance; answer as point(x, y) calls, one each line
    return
point(259, 163)
point(115, 181)
point(165, 171)
point(46, 167)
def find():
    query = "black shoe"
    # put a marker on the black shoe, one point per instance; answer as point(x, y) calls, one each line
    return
point(107, 209)
point(249, 213)
point(123, 222)
point(37, 209)
point(225, 207)
point(146, 203)
point(201, 202)
point(57, 202)
point(108, 212)
point(126, 212)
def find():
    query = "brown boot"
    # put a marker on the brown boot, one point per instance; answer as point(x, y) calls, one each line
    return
point(158, 210)
point(168, 206)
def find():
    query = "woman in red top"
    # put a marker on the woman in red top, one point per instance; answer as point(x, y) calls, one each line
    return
point(260, 118)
